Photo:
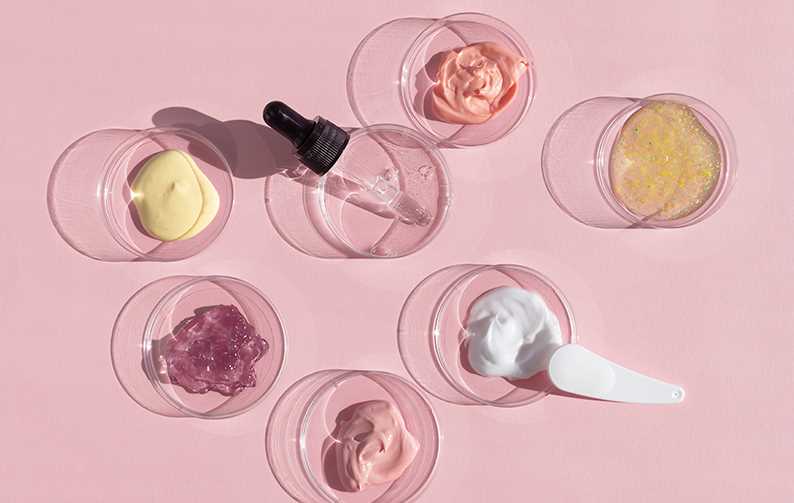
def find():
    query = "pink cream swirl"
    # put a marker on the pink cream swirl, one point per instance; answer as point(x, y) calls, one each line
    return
point(476, 82)
point(371, 445)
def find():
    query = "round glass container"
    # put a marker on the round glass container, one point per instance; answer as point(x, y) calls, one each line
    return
point(148, 320)
point(579, 146)
point(90, 200)
point(387, 196)
point(393, 71)
point(305, 416)
point(432, 333)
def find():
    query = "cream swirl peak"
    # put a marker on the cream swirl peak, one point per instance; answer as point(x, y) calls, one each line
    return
point(372, 445)
point(476, 82)
point(511, 333)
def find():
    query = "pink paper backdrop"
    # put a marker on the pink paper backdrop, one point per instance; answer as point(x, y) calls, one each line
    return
point(708, 307)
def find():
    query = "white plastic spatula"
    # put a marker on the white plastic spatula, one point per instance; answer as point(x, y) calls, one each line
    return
point(577, 370)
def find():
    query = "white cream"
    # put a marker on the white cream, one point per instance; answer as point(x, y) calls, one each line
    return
point(511, 333)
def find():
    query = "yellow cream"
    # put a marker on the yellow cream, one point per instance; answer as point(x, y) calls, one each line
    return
point(173, 197)
point(211, 203)
point(664, 163)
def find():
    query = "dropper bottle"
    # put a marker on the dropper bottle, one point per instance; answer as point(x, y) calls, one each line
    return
point(320, 144)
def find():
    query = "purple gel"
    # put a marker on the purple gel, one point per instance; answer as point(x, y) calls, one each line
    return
point(214, 350)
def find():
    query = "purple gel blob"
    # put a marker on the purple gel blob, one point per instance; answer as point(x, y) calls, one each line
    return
point(215, 350)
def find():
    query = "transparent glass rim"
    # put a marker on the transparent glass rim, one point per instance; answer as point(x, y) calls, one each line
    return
point(52, 181)
point(413, 52)
point(312, 404)
point(443, 303)
point(727, 176)
point(544, 163)
point(148, 335)
point(351, 68)
point(441, 219)
point(115, 163)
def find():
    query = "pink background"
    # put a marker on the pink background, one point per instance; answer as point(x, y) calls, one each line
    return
point(708, 307)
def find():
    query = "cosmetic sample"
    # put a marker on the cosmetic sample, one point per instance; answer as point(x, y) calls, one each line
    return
point(664, 163)
point(511, 333)
point(174, 199)
point(476, 82)
point(214, 350)
point(371, 445)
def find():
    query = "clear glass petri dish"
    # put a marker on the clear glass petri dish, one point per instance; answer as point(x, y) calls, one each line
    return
point(578, 149)
point(304, 419)
point(411, 48)
point(90, 200)
point(432, 333)
point(147, 322)
point(386, 197)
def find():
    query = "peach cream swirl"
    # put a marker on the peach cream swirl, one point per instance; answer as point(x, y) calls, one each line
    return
point(476, 82)
point(370, 445)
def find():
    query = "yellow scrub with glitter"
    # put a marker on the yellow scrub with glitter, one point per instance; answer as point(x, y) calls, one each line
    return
point(664, 164)
point(173, 197)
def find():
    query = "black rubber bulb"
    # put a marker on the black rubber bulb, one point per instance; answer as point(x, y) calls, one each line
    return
point(289, 123)
point(318, 143)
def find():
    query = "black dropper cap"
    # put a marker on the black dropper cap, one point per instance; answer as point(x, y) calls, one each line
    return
point(319, 142)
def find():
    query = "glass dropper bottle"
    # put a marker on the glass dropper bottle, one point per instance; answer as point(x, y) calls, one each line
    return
point(319, 145)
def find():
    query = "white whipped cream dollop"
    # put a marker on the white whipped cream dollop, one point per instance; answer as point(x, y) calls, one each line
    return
point(511, 333)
